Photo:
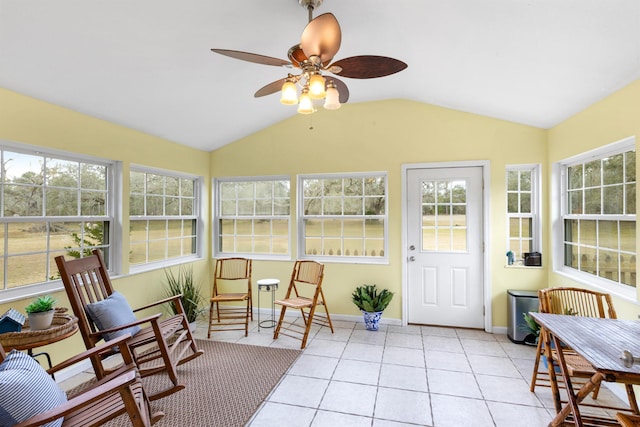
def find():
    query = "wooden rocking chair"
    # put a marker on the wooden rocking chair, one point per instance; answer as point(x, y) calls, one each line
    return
point(117, 393)
point(156, 348)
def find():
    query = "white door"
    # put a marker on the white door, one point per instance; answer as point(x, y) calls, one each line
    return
point(445, 247)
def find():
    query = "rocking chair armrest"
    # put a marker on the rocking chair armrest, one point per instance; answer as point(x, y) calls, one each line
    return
point(147, 319)
point(114, 385)
point(162, 301)
point(88, 353)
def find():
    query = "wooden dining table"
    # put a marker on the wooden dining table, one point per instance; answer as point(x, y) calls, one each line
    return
point(601, 342)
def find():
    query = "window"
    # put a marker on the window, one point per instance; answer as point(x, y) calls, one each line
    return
point(599, 216)
point(52, 204)
point(523, 209)
point(163, 216)
point(252, 217)
point(343, 217)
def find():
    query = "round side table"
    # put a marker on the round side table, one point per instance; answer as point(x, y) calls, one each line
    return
point(268, 285)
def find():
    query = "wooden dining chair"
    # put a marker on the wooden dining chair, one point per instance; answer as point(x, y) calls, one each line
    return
point(576, 302)
point(157, 344)
point(35, 399)
point(305, 294)
point(231, 285)
point(628, 420)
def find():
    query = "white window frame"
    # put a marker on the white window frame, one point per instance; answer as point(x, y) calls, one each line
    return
point(198, 215)
point(342, 258)
point(217, 217)
point(111, 249)
point(559, 196)
point(536, 207)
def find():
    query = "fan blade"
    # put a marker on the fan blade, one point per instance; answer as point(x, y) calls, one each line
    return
point(272, 87)
point(321, 37)
point(343, 92)
point(253, 57)
point(368, 66)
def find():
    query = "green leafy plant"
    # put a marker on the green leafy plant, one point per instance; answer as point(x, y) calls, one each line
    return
point(530, 325)
point(367, 298)
point(41, 304)
point(183, 283)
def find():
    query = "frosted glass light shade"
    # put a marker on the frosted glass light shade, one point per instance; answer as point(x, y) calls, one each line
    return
point(316, 86)
point(289, 94)
point(332, 100)
point(305, 105)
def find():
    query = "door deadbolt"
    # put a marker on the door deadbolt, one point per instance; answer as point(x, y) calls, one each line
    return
point(412, 248)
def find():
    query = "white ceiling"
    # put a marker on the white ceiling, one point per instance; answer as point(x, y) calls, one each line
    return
point(147, 64)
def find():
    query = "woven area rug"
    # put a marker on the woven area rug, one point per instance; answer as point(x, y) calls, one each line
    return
point(224, 387)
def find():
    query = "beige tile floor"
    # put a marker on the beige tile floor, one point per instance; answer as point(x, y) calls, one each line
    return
point(400, 376)
point(403, 376)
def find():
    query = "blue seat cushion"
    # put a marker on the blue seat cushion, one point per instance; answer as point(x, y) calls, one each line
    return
point(26, 390)
point(112, 312)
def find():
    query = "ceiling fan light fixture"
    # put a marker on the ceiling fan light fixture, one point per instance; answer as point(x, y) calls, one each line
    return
point(289, 93)
point(316, 86)
point(332, 99)
point(305, 105)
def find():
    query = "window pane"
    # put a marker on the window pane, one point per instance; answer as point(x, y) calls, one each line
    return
point(613, 200)
point(600, 245)
point(613, 170)
point(575, 176)
point(353, 199)
point(154, 199)
point(592, 176)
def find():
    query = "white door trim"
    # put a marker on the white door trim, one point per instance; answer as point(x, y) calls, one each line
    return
point(485, 165)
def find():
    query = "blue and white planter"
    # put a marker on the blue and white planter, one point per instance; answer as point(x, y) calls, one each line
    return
point(372, 320)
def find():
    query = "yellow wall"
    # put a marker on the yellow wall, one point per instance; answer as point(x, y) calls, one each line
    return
point(30, 121)
point(609, 120)
point(377, 136)
point(383, 136)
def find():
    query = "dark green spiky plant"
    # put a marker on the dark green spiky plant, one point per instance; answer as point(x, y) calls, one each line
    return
point(183, 283)
point(367, 298)
point(40, 305)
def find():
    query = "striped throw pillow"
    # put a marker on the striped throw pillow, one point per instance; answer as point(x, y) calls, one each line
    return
point(26, 390)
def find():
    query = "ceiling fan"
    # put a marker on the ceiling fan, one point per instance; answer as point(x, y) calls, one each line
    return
point(312, 57)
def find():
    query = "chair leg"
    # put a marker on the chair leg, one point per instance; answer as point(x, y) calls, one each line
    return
point(279, 325)
point(246, 319)
point(308, 323)
point(210, 320)
point(536, 365)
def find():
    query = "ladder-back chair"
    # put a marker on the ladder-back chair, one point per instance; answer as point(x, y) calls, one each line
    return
point(572, 302)
point(231, 284)
point(157, 345)
point(305, 294)
point(117, 393)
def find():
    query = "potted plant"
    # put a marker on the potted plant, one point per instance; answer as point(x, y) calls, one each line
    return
point(40, 313)
point(533, 328)
point(372, 303)
point(192, 299)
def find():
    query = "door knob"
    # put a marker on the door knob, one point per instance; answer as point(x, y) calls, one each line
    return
point(412, 258)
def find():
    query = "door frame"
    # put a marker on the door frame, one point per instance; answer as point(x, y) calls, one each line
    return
point(486, 279)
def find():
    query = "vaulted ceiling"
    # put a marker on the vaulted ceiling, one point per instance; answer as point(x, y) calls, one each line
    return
point(147, 64)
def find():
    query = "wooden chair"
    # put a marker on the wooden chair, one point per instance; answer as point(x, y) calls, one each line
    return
point(305, 294)
point(156, 348)
point(117, 393)
point(627, 420)
point(573, 301)
point(231, 274)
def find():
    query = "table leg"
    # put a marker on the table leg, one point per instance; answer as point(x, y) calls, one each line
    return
point(574, 399)
point(553, 379)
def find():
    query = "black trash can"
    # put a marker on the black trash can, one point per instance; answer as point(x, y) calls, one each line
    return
point(518, 303)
